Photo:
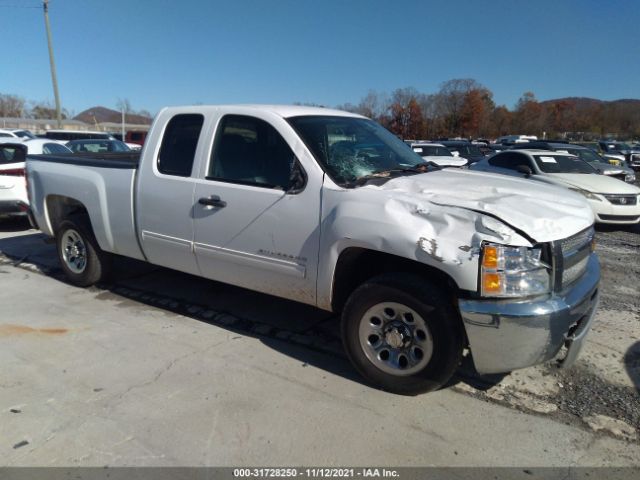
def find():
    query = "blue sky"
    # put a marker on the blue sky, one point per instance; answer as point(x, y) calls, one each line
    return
point(170, 52)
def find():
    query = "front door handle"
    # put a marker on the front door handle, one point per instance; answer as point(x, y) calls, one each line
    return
point(212, 201)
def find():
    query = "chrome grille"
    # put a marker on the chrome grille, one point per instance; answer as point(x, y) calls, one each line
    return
point(574, 243)
point(622, 199)
point(569, 275)
point(572, 255)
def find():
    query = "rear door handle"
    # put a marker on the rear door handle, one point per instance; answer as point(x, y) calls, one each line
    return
point(212, 201)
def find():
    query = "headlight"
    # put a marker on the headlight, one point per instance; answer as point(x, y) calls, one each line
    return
point(630, 177)
point(512, 271)
point(587, 194)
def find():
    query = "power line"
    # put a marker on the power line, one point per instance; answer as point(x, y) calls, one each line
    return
point(12, 4)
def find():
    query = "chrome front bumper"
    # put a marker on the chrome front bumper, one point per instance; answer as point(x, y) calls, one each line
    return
point(505, 335)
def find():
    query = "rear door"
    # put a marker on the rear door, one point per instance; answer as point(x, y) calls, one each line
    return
point(254, 226)
point(164, 199)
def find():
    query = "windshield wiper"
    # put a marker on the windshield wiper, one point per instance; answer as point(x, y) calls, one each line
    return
point(387, 174)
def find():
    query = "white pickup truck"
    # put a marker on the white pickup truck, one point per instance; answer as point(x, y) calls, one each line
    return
point(328, 208)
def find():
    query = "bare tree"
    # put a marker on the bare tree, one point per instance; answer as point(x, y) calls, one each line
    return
point(45, 110)
point(123, 104)
point(11, 106)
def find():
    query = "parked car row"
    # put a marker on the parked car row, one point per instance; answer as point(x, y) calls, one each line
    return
point(438, 154)
point(13, 153)
point(72, 135)
point(615, 153)
point(622, 150)
point(584, 153)
point(607, 188)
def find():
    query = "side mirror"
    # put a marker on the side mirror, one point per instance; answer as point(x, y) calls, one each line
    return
point(525, 170)
point(297, 179)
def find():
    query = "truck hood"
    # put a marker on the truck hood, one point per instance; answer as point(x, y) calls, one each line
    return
point(544, 213)
point(591, 183)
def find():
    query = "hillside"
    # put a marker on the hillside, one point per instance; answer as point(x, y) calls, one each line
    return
point(98, 114)
point(585, 102)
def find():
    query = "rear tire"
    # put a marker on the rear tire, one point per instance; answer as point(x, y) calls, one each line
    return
point(402, 333)
point(83, 261)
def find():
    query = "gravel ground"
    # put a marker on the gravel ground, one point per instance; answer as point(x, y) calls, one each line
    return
point(619, 251)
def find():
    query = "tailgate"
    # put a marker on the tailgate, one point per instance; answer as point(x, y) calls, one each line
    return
point(12, 187)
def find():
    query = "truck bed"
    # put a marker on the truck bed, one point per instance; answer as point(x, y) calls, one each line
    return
point(103, 184)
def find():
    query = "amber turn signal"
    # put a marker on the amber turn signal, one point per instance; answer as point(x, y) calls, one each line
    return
point(490, 256)
point(491, 283)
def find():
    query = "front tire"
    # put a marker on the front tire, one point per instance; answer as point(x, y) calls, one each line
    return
point(402, 334)
point(83, 261)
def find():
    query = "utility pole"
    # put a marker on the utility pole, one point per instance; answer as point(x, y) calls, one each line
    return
point(54, 79)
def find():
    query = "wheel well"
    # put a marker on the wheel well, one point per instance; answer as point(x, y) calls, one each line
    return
point(60, 208)
point(357, 265)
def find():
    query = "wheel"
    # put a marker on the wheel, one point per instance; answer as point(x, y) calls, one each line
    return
point(402, 334)
point(82, 260)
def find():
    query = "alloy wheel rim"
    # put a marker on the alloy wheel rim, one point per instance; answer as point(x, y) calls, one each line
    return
point(74, 252)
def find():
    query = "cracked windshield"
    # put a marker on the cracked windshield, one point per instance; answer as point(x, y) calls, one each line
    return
point(351, 149)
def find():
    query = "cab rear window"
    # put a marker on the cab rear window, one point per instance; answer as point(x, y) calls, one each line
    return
point(179, 143)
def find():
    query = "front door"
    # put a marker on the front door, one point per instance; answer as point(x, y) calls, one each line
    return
point(255, 226)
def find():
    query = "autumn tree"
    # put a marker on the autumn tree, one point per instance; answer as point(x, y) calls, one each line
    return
point(475, 114)
point(527, 115)
point(560, 117)
point(464, 107)
point(404, 115)
point(500, 123)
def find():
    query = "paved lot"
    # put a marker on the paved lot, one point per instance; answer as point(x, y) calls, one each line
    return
point(161, 368)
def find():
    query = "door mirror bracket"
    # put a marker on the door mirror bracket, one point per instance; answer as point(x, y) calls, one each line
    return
point(525, 170)
point(297, 179)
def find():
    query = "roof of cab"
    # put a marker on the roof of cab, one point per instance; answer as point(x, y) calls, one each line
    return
point(284, 111)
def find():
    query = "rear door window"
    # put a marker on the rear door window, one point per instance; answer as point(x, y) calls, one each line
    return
point(178, 148)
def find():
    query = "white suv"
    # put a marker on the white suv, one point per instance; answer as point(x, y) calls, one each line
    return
point(13, 153)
